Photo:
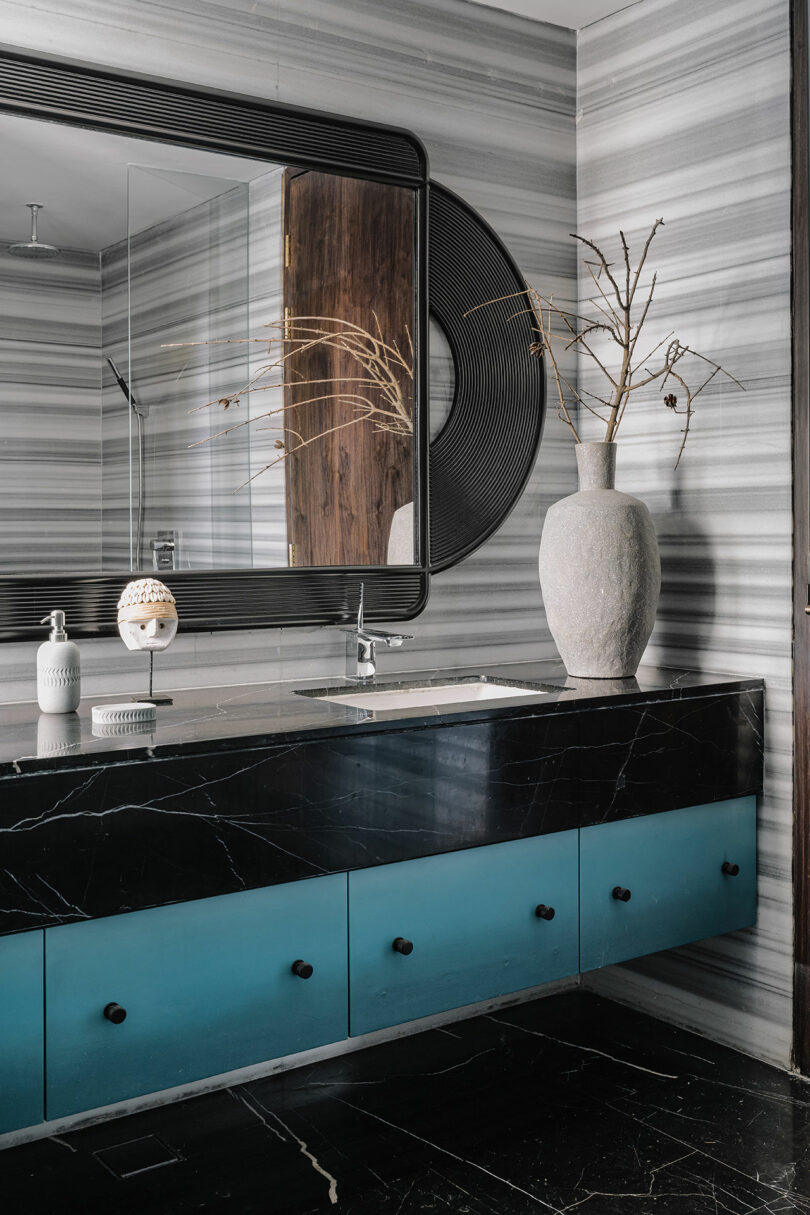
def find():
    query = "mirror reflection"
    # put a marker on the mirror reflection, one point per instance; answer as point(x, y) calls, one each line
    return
point(206, 361)
point(442, 377)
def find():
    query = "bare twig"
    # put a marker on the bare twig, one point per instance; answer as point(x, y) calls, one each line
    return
point(545, 337)
point(617, 321)
point(377, 396)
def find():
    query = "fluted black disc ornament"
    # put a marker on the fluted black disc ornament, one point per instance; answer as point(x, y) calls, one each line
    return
point(482, 458)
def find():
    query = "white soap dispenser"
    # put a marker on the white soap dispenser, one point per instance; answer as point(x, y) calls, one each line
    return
point(58, 669)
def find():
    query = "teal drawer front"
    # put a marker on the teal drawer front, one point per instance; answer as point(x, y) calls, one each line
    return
point(21, 1031)
point(471, 919)
point(671, 863)
point(207, 987)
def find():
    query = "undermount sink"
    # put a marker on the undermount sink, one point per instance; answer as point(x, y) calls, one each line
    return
point(442, 692)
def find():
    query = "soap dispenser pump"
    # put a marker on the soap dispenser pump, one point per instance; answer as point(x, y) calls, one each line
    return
point(58, 669)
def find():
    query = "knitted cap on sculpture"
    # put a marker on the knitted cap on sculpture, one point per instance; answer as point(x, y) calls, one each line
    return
point(147, 615)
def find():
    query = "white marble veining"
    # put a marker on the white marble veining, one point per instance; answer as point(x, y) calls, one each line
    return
point(684, 113)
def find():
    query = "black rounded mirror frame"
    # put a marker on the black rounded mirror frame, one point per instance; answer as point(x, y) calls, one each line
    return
point(478, 463)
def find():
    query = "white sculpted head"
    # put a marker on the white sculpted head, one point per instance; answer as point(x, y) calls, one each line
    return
point(147, 615)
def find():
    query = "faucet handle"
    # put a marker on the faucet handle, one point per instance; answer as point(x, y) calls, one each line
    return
point(392, 640)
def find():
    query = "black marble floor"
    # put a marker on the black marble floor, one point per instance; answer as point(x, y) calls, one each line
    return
point(568, 1104)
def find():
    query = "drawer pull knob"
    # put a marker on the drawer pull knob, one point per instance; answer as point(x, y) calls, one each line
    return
point(302, 969)
point(115, 1013)
point(621, 893)
point(544, 913)
point(730, 869)
point(402, 946)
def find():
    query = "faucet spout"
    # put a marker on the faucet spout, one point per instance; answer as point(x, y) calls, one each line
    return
point(361, 646)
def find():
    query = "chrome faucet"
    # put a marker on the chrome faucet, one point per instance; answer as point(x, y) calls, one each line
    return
point(361, 646)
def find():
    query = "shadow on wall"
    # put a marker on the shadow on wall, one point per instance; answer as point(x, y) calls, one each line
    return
point(686, 607)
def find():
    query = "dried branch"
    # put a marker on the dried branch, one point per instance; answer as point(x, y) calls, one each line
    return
point(377, 396)
point(617, 321)
point(292, 450)
point(604, 264)
point(545, 342)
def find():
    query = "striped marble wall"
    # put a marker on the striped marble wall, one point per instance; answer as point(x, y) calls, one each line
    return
point(175, 287)
point(266, 303)
point(493, 97)
point(118, 429)
point(684, 113)
point(50, 411)
point(207, 274)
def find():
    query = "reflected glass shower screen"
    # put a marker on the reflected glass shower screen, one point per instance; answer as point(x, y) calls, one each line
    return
point(187, 325)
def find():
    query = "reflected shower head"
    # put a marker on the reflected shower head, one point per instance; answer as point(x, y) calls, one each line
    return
point(33, 247)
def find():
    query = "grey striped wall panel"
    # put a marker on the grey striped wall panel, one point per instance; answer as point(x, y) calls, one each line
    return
point(118, 429)
point(268, 489)
point(50, 412)
point(209, 274)
point(684, 113)
point(188, 292)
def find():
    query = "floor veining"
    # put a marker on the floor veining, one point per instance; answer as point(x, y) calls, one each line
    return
point(568, 1104)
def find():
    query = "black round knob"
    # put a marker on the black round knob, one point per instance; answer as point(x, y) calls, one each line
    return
point(544, 913)
point(621, 893)
point(115, 1013)
point(730, 869)
point(302, 969)
point(402, 946)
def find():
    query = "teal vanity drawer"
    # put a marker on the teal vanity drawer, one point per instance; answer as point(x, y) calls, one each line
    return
point(21, 1031)
point(207, 987)
point(471, 919)
point(672, 866)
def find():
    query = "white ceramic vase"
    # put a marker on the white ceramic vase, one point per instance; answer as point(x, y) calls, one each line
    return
point(600, 572)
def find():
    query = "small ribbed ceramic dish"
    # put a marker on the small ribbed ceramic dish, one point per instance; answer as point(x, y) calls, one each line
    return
point(134, 713)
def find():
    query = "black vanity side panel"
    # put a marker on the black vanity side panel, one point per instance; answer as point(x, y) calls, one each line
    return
point(83, 843)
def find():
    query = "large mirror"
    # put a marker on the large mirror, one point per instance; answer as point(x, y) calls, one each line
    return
point(214, 358)
point(207, 360)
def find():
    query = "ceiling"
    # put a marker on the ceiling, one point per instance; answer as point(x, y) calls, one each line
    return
point(573, 14)
point(81, 179)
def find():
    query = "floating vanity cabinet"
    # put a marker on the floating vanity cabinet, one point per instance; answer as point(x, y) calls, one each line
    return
point(436, 933)
point(156, 998)
point(21, 1031)
point(666, 879)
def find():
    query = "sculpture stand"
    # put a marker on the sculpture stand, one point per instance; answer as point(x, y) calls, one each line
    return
point(153, 700)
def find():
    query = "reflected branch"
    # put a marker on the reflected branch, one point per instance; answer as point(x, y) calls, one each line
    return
point(381, 396)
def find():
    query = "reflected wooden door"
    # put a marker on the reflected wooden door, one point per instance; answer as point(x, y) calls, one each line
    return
point(349, 255)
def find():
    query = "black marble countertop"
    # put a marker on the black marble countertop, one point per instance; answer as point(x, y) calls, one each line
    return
point(206, 720)
point(242, 787)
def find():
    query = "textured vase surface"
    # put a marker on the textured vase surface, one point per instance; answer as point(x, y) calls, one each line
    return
point(600, 572)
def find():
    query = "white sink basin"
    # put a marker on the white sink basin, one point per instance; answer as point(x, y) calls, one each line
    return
point(427, 696)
